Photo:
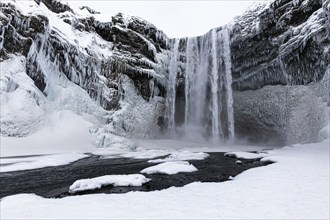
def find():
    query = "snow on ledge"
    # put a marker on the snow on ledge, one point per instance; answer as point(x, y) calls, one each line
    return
point(246, 155)
point(115, 180)
point(170, 168)
point(181, 155)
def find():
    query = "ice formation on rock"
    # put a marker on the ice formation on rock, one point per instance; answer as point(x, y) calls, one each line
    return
point(129, 79)
point(79, 64)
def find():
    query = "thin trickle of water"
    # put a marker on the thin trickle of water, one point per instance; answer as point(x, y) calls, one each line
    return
point(171, 87)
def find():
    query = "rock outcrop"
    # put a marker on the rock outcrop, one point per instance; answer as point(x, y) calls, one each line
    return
point(283, 42)
point(279, 115)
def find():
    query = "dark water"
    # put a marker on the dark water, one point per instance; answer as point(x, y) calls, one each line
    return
point(55, 181)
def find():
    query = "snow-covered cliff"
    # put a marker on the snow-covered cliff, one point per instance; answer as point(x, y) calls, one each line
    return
point(64, 61)
point(281, 42)
point(129, 79)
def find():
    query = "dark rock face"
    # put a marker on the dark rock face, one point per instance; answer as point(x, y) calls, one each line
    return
point(134, 46)
point(18, 40)
point(55, 6)
point(283, 43)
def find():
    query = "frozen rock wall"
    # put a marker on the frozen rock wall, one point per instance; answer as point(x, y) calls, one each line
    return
point(117, 73)
point(279, 115)
point(281, 42)
point(67, 55)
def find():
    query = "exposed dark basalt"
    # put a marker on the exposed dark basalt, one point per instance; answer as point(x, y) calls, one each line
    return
point(90, 10)
point(284, 43)
point(18, 40)
point(273, 45)
point(55, 6)
point(132, 47)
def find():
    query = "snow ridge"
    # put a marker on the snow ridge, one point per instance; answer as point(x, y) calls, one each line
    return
point(115, 180)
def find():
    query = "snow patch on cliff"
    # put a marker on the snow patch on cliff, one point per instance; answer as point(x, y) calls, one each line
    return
point(22, 104)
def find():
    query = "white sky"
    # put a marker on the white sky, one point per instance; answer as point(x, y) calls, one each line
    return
point(176, 18)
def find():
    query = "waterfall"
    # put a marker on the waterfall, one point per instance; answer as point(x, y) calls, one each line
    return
point(193, 92)
point(208, 100)
point(191, 43)
point(214, 87)
point(171, 87)
point(228, 83)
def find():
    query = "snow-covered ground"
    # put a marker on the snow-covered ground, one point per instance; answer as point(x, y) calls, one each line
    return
point(296, 187)
point(34, 162)
point(65, 132)
point(171, 167)
point(181, 155)
point(67, 139)
point(245, 155)
point(115, 180)
point(64, 139)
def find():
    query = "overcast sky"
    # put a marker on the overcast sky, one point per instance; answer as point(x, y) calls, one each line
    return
point(176, 18)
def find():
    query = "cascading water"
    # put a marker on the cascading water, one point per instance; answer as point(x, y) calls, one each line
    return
point(171, 87)
point(228, 83)
point(194, 88)
point(208, 107)
point(214, 87)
